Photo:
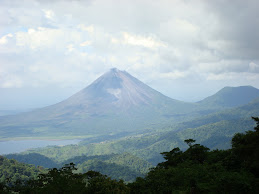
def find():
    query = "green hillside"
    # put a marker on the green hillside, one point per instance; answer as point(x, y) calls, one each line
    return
point(117, 166)
point(196, 169)
point(33, 158)
point(201, 170)
point(125, 159)
point(12, 170)
point(214, 130)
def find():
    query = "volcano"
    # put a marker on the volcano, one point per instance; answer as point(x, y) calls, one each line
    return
point(118, 91)
point(116, 102)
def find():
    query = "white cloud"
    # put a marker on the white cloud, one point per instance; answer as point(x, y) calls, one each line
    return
point(10, 81)
point(186, 26)
point(244, 76)
point(253, 67)
point(49, 14)
point(37, 38)
point(224, 66)
point(70, 47)
point(83, 27)
point(4, 39)
point(173, 75)
point(138, 40)
point(48, 38)
point(182, 41)
point(86, 43)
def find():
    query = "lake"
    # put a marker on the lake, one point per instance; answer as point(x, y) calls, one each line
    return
point(16, 146)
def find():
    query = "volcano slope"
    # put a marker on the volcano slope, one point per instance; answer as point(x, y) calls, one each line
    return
point(115, 103)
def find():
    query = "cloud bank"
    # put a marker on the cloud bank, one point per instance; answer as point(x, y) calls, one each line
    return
point(178, 47)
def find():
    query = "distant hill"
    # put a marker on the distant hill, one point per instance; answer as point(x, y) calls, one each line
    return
point(214, 130)
point(118, 166)
point(124, 159)
point(33, 158)
point(229, 97)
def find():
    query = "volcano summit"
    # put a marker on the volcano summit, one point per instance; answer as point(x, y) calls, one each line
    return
point(114, 103)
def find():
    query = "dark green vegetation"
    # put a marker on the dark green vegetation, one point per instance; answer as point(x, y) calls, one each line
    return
point(12, 171)
point(214, 131)
point(117, 166)
point(198, 170)
point(64, 180)
point(195, 170)
point(33, 158)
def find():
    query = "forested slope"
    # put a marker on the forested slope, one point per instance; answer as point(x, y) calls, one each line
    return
point(12, 171)
point(214, 130)
point(33, 158)
point(195, 170)
point(117, 166)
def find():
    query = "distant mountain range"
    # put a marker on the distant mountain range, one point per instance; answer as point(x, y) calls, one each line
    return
point(117, 104)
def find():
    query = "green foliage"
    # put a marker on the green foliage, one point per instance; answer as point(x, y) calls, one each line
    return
point(198, 170)
point(12, 171)
point(98, 183)
point(245, 147)
point(213, 131)
point(195, 170)
point(58, 181)
point(117, 166)
point(64, 180)
point(113, 170)
point(33, 158)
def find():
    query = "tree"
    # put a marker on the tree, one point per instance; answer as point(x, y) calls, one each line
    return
point(189, 142)
point(245, 147)
point(65, 180)
point(61, 180)
point(199, 170)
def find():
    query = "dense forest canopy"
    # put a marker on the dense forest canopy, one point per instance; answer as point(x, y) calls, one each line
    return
point(195, 170)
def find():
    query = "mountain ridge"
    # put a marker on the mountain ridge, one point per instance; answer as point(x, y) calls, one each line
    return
point(115, 103)
point(231, 97)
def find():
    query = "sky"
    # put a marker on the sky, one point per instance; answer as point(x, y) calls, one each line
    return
point(187, 50)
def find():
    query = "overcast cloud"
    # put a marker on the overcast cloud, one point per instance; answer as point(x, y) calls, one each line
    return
point(184, 49)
